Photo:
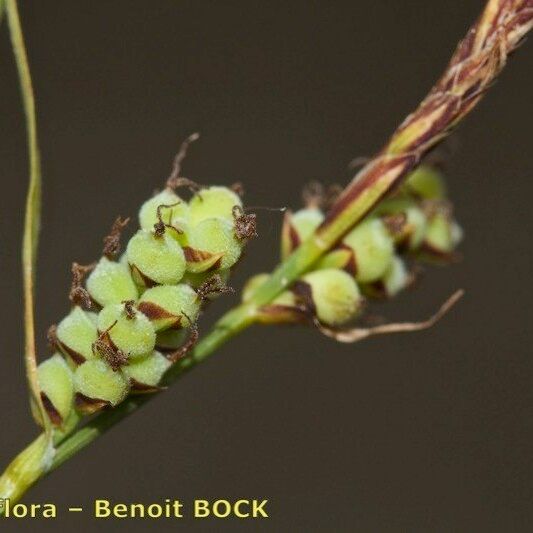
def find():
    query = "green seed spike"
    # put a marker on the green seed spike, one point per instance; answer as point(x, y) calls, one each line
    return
point(97, 386)
point(331, 294)
point(145, 375)
point(57, 391)
point(76, 334)
point(170, 306)
point(111, 283)
point(155, 260)
point(213, 237)
point(128, 330)
point(177, 215)
point(297, 227)
point(215, 201)
point(426, 182)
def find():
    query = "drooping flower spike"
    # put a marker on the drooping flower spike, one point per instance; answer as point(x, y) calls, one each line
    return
point(372, 261)
point(137, 314)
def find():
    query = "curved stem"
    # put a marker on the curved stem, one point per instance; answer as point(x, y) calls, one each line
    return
point(33, 204)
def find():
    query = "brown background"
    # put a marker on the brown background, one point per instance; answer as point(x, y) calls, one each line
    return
point(425, 432)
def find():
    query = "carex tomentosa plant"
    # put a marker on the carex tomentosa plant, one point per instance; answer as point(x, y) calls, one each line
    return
point(132, 325)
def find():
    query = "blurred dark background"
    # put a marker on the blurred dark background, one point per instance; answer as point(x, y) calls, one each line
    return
point(424, 432)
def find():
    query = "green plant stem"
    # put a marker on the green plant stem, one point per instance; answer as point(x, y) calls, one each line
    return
point(474, 66)
point(33, 205)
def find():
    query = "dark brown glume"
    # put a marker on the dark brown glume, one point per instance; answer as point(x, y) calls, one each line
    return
point(53, 413)
point(175, 181)
point(112, 240)
point(89, 405)
point(245, 223)
point(183, 350)
point(78, 295)
point(160, 226)
point(213, 285)
point(304, 296)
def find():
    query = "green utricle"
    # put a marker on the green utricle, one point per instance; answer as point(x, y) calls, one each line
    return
point(426, 182)
point(170, 306)
point(135, 336)
point(97, 381)
point(55, 382)
point(372, 247)
point(217, 236)
point(155, 260)
point(111, 283)
point(335, 295)
point(148, 371)
point(396, 277)
point(174, 211)
point(76, 334)
point(215, 201)
point(170, 339)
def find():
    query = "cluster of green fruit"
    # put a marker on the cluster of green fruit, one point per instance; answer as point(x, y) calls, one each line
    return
point(370, 261)
point(129, 322)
